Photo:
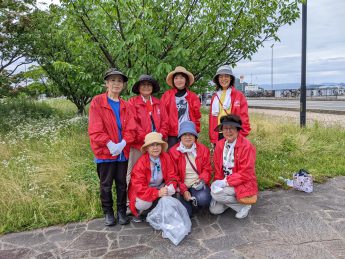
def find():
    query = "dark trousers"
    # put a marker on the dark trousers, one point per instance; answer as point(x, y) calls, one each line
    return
point(107, 173)
point(203, 198)
point(172, 141)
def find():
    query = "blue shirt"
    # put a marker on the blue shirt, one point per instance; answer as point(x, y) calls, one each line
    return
point(115, 106)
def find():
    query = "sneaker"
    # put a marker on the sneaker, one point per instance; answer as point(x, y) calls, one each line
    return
point(137, 219)
point(109, 219)
point(243, 212)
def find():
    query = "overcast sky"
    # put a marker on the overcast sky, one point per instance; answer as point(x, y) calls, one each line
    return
point(325, 49)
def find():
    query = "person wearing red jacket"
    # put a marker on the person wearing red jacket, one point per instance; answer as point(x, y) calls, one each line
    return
point(180, 103)
point(111, 131)
point(234, 163)
point(153, 176)
point(227, 100)
point(193, 165)
point(148, 115)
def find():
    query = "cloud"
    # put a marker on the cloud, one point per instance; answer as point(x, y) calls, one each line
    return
point(325, 49)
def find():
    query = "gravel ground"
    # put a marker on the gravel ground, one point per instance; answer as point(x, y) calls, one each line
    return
point(324, 119)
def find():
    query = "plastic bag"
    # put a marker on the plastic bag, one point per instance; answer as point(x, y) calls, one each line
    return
point(303, 181)
point(172, 218)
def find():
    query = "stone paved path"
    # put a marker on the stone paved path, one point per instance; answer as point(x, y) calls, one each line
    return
point(283, 224)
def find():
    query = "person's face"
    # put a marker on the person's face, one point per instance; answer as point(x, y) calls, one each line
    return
point(114, 84)
point(145, 89)
point(188, 139)
point(230, 133)
point(224, 81)
point(180, 81)
point(154, 150)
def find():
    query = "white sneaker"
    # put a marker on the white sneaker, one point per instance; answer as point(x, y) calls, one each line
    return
point(243, 212)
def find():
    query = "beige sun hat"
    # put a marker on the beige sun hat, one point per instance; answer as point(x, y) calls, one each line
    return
point(154, 137)
point(182, 70)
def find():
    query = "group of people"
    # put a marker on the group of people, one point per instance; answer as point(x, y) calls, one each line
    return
point(150, 148)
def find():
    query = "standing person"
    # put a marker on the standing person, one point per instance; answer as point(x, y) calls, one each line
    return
point(153, 176)
point(235, 184)
point(148, 116)
point(227, 100)
point(111, 131)
point(193, 165)
point(180, 103)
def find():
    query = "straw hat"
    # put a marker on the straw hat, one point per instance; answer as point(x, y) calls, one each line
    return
point(154, 137)
point(182, 70)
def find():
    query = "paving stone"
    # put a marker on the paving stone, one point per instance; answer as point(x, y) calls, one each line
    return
point(133, 252)
point(75, 225)
point(188, 248)
point(335, 247)
point(17, 253)
point(136, 231)
point(46, 255)
point(116, 228)
point(225, 255)
point(90, 240)
point(25, 238)
point(96, 224)
point(98, 252)
point(52, 231)
point(68, 235)
point(224, 242)
point(74, 254)
point(196, 233)
point(126, 241)
point(276, 250)
point(114, 245)
point(144, 239)
point(339, 227)
point(46, 247)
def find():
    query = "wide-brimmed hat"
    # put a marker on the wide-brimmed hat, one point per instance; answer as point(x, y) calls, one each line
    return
point(114, 71)
point(187, 127)
point(179, 69)
point(148, 78)
point(223, 70)
point(232, 120)
point(154, 137)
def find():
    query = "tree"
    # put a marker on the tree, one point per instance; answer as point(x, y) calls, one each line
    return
point(71, 63)
point(153, 36)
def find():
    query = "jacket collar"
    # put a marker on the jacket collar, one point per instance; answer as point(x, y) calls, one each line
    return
point(105, 104)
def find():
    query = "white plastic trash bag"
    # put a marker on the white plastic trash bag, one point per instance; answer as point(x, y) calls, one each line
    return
point(303, 181)
point(172, 218)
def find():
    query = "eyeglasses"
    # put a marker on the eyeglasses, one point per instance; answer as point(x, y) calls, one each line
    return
point(228, 129)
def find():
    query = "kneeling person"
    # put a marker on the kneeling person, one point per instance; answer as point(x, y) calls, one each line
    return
point(153, 176)
point(192, 163)
point(235, 184)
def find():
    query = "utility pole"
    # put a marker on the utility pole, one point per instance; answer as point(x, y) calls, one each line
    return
point(303, 100)
point(272, 69)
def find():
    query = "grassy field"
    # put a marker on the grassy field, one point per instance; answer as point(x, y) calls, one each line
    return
point(48, 175)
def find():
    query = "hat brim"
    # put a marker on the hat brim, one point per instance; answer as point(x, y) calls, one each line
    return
point(125, 78)
point(164, 145)
point(155, 86)
point(231, 123)
point(195, 134)
point(170, 76)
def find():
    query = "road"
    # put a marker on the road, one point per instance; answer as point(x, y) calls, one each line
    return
point(338, 106)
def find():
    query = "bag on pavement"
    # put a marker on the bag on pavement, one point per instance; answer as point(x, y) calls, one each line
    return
point(172, 218)
point(303, 181)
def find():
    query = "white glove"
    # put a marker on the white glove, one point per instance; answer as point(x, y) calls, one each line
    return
point(112, 147)
point(171, 190)
point(119, 147)
point(218, 185)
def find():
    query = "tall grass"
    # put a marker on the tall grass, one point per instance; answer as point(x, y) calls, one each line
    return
point(48, 175)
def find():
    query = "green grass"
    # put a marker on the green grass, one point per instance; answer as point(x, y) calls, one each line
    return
point(48, 176)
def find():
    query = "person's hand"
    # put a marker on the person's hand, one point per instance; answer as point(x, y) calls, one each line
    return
point(171, 189)
point(163, 192)
point(112, 147)
point(199, 185)
point(187, 196)
point(119, 147)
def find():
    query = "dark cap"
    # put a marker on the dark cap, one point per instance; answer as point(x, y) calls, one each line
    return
point(232, 119)
point(148, 78)
point(114, 71)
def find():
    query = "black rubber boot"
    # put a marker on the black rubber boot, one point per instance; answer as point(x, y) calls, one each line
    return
point(109, 219)
point(122, 218)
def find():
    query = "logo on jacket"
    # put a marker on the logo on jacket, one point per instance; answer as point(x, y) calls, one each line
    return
point(237, 103)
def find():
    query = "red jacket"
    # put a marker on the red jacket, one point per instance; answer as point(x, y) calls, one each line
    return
point(141, 176)
point(243, 177)
point(103, 126)
point(202, 161)
point(143, 120)
point(168, 101)
point(239, 106)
